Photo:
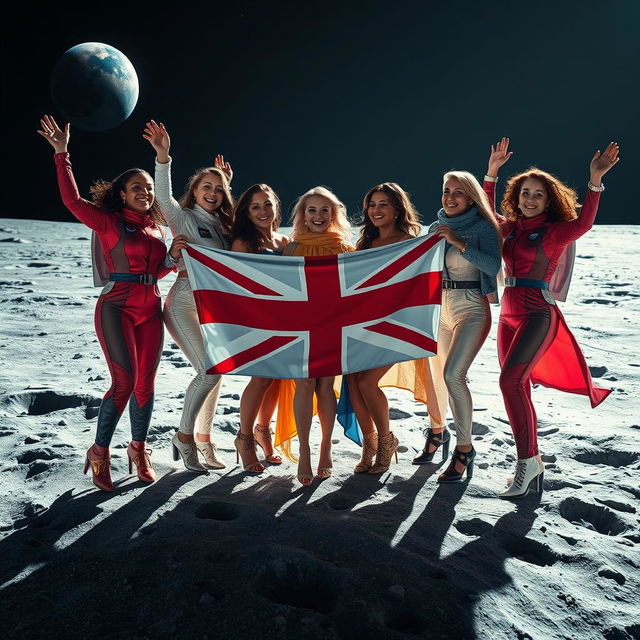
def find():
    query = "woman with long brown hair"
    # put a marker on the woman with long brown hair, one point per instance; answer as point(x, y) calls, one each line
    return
point(202, 216)
point(256, 221)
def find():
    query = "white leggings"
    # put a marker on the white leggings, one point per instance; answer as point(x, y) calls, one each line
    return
point(201, 396)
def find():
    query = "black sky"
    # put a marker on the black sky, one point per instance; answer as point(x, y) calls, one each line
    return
point(346, 95)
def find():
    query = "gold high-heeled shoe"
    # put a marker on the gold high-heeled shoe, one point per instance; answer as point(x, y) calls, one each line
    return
point(369, 450)
point(209, 452)
point(387, 447)
point(262, 436)
point(246, 449)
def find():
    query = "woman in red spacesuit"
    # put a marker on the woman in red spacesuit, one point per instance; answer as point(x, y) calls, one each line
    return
point(128, 315)
point(534, 342)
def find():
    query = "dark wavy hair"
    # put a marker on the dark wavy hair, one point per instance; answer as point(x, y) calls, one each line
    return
point(243, 227)
point(408, 220)
point(225, 210)
point(563, 200)
point(106, 194)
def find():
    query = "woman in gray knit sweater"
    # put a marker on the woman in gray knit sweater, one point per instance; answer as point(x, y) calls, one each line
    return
point(472, 261)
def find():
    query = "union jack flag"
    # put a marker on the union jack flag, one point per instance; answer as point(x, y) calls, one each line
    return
point(307, 317)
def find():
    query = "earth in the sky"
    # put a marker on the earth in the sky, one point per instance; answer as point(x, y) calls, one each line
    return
point(94, 86)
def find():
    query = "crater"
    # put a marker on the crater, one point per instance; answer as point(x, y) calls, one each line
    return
point(610, 458)
point(222, 511)
point(529, 550)
point(39, 403)
point(303, 583)
point(591, 516)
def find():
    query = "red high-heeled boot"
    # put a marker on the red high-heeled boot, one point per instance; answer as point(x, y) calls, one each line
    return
point(140, 456)
point(100, 461)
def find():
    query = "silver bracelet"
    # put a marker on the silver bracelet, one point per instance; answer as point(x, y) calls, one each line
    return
point(593, 187)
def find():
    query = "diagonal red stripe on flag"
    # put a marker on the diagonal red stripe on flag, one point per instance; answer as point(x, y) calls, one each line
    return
point(403, 333)
point(230, 274)
point(239, 359)
point(400, 263)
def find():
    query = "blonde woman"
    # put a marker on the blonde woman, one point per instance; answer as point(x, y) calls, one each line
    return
point(320, 228)
point(472, 262)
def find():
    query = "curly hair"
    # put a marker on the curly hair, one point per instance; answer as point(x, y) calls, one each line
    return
point(408, 220)
point(243, 227)
point(225, 210)
point(106, 194)
point(563, 200)
point(339, 221)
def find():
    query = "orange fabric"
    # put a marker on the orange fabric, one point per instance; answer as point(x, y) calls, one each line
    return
point(415, 376)
point(328, 243)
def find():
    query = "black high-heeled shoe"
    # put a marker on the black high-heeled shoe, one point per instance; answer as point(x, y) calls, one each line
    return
point(440, 438)
point(463, 457)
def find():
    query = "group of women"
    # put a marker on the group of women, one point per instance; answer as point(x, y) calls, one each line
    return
point(539, 221)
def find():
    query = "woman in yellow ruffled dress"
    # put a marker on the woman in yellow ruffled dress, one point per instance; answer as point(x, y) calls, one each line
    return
point(320, 228)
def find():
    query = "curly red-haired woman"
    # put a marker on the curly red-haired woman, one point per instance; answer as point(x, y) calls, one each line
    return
point(534, 342)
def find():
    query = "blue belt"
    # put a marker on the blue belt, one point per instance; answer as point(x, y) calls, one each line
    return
point(510, 281)
point(140, 278)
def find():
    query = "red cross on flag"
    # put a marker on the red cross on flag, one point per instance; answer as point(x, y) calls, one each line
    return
point(293, 317)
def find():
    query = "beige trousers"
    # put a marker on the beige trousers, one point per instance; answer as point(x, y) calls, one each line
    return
point(465, 321)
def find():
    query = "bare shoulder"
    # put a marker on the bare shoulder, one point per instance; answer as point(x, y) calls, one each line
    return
point(239, 245)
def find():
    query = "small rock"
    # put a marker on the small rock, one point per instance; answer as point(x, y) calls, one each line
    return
point(548, 458)
point(77, 356)
point(498, 442)
point(483, 465)
point(398, 414)
point(597, 372)
point(30, 440)
point(337, 441)
point(402, 449)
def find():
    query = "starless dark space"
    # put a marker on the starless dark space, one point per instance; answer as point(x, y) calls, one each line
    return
point(343, 95)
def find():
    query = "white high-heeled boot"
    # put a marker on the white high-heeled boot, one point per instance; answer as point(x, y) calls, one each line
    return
point(189, 454)
point(210, 454)
point(528, 477)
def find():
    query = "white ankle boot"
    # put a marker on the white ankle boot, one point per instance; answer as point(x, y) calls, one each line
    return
point(210, 455)
point(189, 454)
point(528, 477)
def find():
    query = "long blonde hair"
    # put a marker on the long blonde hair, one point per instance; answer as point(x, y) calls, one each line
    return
point(472, 189)
point(339, 222)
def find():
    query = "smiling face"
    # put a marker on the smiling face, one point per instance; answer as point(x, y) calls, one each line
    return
point(454, 200)
point(380, 210)
point(533, 199)
point(209, 192)
point(318, 214)
point(138, 193)
point(262, 211)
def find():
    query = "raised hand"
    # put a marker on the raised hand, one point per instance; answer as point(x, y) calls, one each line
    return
point(602, 162)
point(225, 167)
point(54, 135)
point(500, 155)
point(159, 139)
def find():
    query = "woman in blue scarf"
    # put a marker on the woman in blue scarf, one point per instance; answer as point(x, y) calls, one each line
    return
point(472, 261)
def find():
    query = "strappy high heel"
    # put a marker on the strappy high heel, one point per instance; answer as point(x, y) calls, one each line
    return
point(141, 457)
point(100, 462)
point(369, 450)
point(465, 458)
point(387, 448)
point(262, 436)
point(245, 449)
point(437, 439)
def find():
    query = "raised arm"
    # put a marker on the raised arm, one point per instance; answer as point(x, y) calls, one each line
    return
point(599, 165)
point(158, 138)
point(94, 217)
point(499, 156)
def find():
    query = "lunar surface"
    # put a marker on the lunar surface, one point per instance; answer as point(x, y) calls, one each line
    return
point(229, 555)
